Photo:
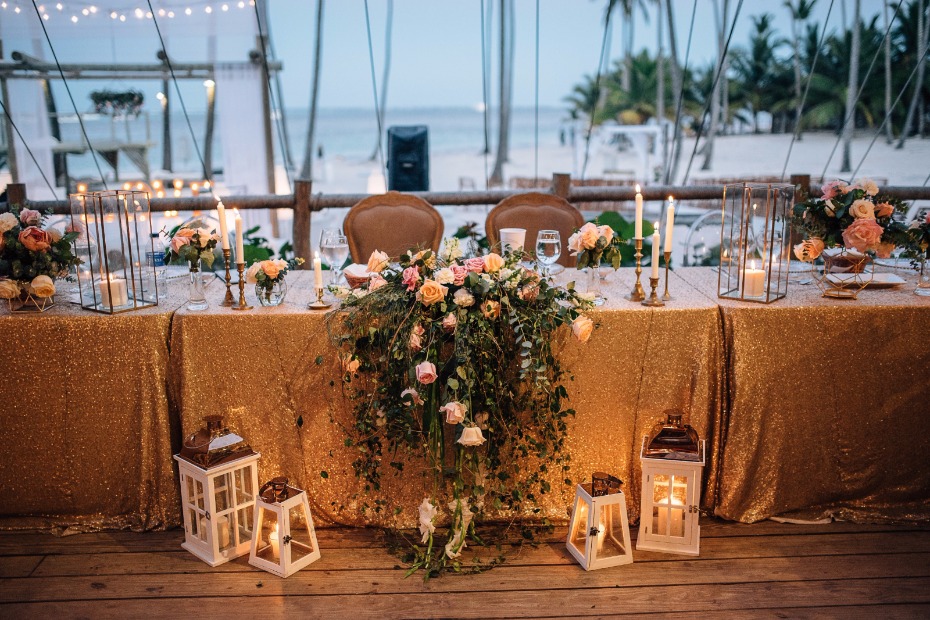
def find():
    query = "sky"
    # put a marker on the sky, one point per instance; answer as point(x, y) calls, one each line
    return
point(436, 45)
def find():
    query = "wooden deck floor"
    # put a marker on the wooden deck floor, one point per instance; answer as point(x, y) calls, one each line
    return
point(762, 570)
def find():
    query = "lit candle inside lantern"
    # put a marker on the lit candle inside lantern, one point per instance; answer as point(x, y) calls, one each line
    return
point(275, 544)
point(317, 270)
point(240, 252)
point(669, 223)
point(224, 231)
point(223, 532)
point(656, 242)
point(118, 288)
point(639, 214)
point(753, 281)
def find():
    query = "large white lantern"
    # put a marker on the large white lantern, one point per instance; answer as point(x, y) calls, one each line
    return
point(672, 461)
point(599, 532)
point(219, 478)
point(285, 540)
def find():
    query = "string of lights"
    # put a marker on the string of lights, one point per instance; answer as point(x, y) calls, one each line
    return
point(76, 11)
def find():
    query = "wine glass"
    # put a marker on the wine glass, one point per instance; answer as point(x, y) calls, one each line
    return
point(334, 248)
point(548, 249)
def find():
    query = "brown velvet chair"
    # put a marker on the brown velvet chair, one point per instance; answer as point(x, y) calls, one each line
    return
point(535, 211)
point(393, 223)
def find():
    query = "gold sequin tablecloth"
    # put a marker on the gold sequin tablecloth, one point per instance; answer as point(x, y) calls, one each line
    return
point(85, 419)
point(258, 368)
point(827, 405)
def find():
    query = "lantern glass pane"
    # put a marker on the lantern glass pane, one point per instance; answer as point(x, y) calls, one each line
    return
point(194, 521)
point(656, 511)
point(660, 489)
point(677, 522)
point(301, 541)
point(269, 542)
point(245, 494)
point(202, 526)
point(224, 533)
point(198, 494)
point(189, 496)
point(610, 532)
point(221, 491)
point(679, 490)
point(579, 525)
point(244, 525)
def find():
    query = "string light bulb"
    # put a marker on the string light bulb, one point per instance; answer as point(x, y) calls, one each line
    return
point(208, 9)
point(170, 14)
point(188, 11)
point(139, 13)
point(74, 19)
point(225, 7)
point(85, 12)
point(58, 6)
point(2, 5)
point(93, 9)
point(16, 10)
point(113, 14)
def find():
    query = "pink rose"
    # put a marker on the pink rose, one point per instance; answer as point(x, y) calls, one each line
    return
point(426, 372)
point(35, 239)
point(883, 209)
point(181, 238)
point(30, 217)
point(376, 282)
point(607, 232)
point(414, 396)
point(455, 412)
point(832, 189)
point(582, 328)
point(459, 272)
point(416, 337)
point(471, 436)
point(862, 235)
point(449, 322)
point(411, 277)
point(475, 265)
point(884, 250)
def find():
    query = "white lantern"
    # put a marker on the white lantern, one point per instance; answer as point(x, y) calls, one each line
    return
point(219, 477)
point(599, 533)
point(285, 540)
point(672, 461)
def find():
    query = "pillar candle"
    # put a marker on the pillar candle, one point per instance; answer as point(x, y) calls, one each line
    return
point(753, 281)
point(224, 231)
point(240, 251)
point(639, 214)
point(116, 286)
point(669, 224)
point(656, 242)
point(275, 544)
point(317, 270)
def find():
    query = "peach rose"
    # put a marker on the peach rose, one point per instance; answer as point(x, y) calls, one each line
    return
point(9, 289)
point(529, 292)
point(574, 244)
point(475, 265)
point(181, 238)
point(449, 323)
point(884, 250)
point(455, 412)
point(493, 262)
point(491, 309)
point(884, 209)
point(411, 277)
point(582, 328)
point(432, 292)
point(459, 273)
point(471, 436)
point(607, 232)
point(376, 282)
point(862, 234)
point(809, 249)
point(204, 237)
point(270, 268)
point(862, 209)
point(30, 217)
point(42, 286)
point(416, 337)
point(589, 235)
point(870, 186)
point(378, 261)
point(426, 372)
point(35, 239)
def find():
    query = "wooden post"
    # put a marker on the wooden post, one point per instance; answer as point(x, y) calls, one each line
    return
point(301, 241)
point(561, 184)
point(802, 190)
point(16, 194)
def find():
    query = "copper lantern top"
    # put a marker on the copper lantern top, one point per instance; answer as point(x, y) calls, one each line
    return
point(214, 445)
point(673, 440)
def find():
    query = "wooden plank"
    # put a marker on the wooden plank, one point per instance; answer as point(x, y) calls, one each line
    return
point(331, 578)
point(19, 565)
point(534, 603)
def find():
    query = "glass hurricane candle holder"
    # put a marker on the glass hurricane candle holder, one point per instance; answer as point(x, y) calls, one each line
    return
point(285, 539)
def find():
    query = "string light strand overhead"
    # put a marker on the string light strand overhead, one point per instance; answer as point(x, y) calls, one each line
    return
point(75, 12)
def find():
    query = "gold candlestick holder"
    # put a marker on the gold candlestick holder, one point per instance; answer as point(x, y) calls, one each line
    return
point(638, 294)
point(228, 300)
point(240, 267)
point(668, 258)
point(653, 297)
point(319, 304)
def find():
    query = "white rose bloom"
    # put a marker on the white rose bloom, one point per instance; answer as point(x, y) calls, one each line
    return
point(54, 234)
point(869, 186)
point(427, 514)
point(444, 276)
point(252, 272)
point(463, 298)
point(9, 289)
point(486, 277)
point(471, 436)
point(7, 222)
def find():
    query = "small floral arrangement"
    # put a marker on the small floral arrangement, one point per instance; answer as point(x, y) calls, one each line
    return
point(855, 217)
point(192, 245)
point(269, 272)
point(919, 233)
point(32, 255)
point(444, 351)
point(593, 244)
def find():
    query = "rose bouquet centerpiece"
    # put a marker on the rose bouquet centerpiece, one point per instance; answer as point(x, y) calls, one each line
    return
point(268, 278)
point(594, 244)
point(451, 359)
point(193, 245)
point(32, 257)
point(919, 248)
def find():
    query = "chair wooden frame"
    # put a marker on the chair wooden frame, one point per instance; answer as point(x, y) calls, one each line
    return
point(534, 199)
point(390, 199)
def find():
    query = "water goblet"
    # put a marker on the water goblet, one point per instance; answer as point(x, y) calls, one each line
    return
point(548, 249)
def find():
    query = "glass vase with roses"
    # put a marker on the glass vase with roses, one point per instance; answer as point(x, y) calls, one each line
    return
point(194, 245)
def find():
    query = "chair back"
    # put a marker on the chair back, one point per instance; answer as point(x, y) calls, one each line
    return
point(393, 223)
point(535, 211)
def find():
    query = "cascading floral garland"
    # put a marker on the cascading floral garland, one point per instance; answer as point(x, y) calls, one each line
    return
point(452, 354)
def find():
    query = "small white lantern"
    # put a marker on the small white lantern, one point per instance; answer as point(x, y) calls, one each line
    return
point(599, 532)
point(219, 477)
point(285, 540)
point(672, 461)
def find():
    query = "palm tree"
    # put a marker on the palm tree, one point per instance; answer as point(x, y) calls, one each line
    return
point(800, 13)
point(758, 69)
point(717, 86)
point(507, 19)
point(852, 87)
point(306, 171)
point(889, 130)
point(921, 51)
point(671, 168)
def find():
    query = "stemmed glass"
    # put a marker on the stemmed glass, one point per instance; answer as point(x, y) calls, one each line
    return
point(548, 249)
point(334, 248)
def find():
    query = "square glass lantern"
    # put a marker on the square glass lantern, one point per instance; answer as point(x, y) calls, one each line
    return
point(285, 540)
point(599, 532)
point(219, 480)
point(672, 462)
point(755, 243)
point(114, 239)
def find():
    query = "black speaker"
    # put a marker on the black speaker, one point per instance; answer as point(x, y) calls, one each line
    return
point(408, 158)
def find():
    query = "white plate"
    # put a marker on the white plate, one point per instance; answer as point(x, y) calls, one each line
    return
point(879, 280)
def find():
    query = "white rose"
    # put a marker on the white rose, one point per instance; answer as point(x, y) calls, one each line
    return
point(9, 289)
point(574, 244)
point(205, 237)
point(378, 261)
point(868, 185)
point(427, 514)
point(42, 286)
point(252, 272)
point(463, 298)
point(862, 209)
point(7, 222)
point(471, 436)
point(444, 276)
point(54, 234)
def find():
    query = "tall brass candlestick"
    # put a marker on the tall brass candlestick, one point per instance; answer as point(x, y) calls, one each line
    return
point(668, 257)
point(638, 294)
point(319, 304)
point(240, 267)
point(654, 297)
point(228, 300)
